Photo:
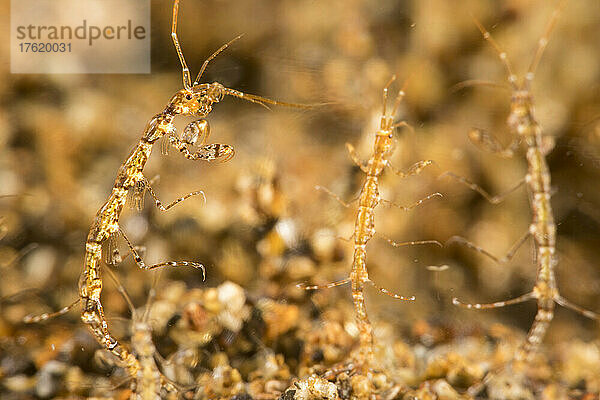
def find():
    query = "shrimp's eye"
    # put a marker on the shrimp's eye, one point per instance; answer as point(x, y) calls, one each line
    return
point(390, 136)
point(188, 96)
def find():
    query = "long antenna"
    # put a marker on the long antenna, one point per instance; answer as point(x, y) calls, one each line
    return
point(512, 78)
point(385, 95)
point(187, 79)
point(263, 101)
point(543, 43)
point(477, 82)
point(400, 96)
point(213, 55)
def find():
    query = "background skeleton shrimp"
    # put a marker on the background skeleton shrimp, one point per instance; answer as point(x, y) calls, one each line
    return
point(364, 226)
point(525, 128)
point(148, 381)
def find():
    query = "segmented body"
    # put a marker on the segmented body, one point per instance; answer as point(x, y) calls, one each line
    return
point(542, 228)
point(527, 130)
point(364, 229)
point(147, 380)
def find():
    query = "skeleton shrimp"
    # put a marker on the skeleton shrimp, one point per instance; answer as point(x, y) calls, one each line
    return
point(148, 379)
point(195, 99)
point(525, 128)
point(364, 227)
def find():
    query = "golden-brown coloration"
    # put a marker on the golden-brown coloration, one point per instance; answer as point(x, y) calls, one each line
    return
point(193, 100)
point(364, 226)
point(526, 129)
point(148, 381)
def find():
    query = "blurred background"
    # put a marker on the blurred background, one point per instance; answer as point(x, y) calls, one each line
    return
point(264, 226)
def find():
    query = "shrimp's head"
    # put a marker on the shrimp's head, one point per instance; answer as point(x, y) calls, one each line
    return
point(198, 100)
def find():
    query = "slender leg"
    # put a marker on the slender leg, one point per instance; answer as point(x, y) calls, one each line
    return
point(154, 180)
point(162, 207)
point(506, 258)
point(490, 144)
point(121, 289)
point(411, 243)
point(18, 296)
point(32, 319)
point(335, 196)
point(578, 309)
point(395, 244)
point(511, 253)
point(404, 124)
point(391, 294)
point(414, 169)
point(348, 239)
point(413, 205)
point(112, 254)
point(492, 199)
point(325, 286)
point(142, 265)
point(22, 253)
point(355, 159)
point(484, 306)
